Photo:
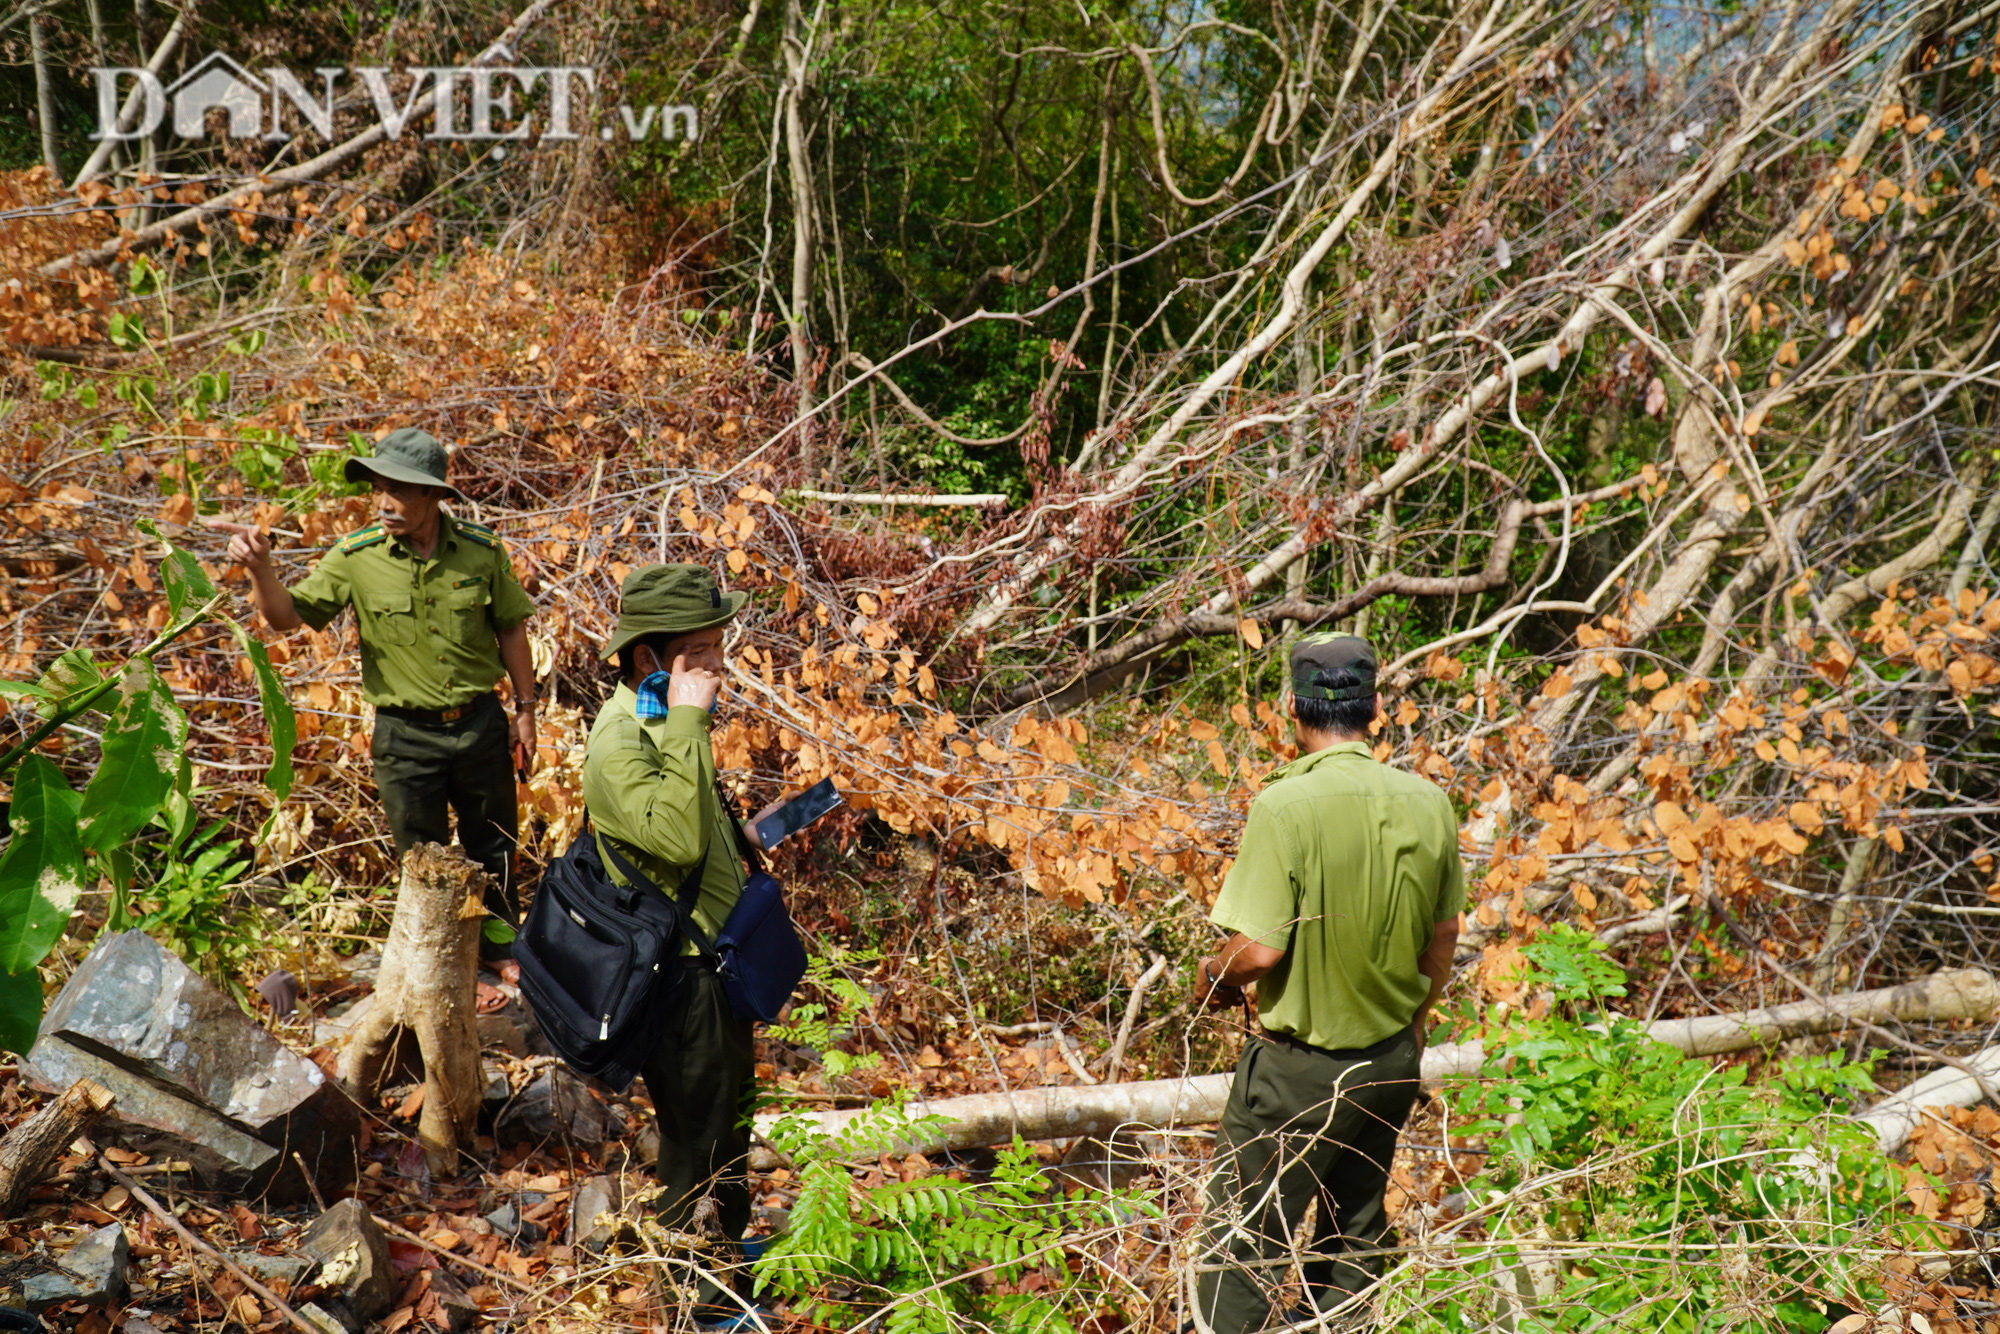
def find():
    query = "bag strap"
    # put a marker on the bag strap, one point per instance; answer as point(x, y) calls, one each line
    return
point(684, 898)
point(744, 843)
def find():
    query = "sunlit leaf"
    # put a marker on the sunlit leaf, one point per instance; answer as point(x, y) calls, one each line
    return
point(277, 712)
point(41, 873)
point(73, 674)
point(188, 585)
point(141, 754)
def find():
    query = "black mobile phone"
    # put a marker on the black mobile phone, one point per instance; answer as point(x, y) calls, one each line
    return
point(797, 813)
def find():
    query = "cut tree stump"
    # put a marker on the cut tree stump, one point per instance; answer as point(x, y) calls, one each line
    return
point(32, 1147)
point(427, 988)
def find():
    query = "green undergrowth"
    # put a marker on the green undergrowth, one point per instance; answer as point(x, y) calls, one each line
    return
point(941, 1252)
point(1629, 1187)
point(133, 823)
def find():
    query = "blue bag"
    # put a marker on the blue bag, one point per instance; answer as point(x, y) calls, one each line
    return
point(762, 956)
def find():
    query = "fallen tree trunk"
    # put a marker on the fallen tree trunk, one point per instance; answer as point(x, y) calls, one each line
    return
point(1065, 1112)
point(1959, 993)
point(32, 1147)
point(427, 987)
point(1896, 1117)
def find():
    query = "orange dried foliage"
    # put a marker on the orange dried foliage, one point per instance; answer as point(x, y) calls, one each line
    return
point(35, 228)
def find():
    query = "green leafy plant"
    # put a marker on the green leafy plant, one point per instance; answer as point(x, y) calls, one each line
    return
point(937, 1253)
point(262, 457)
point(63, 840)
point(1630, 1187)
point(191, 903)
point(821, 1023)
point(329, 467)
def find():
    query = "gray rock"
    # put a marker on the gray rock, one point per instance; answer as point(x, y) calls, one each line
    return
point(353, 1255)
point(558, 1107)
point(364, 967)
point(165, 1124)
point(137, 1006)
point(493, 1096)
point(92, 1271)
point(594, 1196)
point(290, 1270)
point(508, 1223)
point(461, 1313)
point(340, 1021)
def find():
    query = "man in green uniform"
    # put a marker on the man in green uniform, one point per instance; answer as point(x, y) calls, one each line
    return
point(649, 781)
point(442, 618)
point(1344, 900)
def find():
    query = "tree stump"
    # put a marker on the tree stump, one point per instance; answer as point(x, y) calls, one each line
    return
point(32, 1147)
point(427, 987)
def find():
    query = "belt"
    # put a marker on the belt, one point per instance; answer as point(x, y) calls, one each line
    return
point(1337, 1053)
point(434, 717)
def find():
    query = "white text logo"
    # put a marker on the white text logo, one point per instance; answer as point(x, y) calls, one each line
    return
point(276, 103)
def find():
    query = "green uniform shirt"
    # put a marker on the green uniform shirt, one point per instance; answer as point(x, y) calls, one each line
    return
point(1347, 865)
point(650, 787)
point(429, 626)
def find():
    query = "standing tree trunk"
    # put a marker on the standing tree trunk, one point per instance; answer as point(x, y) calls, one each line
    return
point(45, 95)
point(798, 53)
point(427, 988)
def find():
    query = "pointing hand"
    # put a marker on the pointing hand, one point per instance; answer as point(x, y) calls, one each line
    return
point(248, 546)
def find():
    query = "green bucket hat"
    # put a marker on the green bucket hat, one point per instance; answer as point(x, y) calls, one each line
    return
point(670, 600)
point(1316, 654)
point(408, 455)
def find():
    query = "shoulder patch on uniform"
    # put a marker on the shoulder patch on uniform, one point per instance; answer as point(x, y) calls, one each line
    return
point(479, 533)
point(361, 537)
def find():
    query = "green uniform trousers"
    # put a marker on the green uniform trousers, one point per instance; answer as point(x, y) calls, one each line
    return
point(702, 1077)
point(1302, 1124)
point(424, 771)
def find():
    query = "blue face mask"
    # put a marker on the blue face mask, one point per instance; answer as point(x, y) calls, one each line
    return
point(652, 693)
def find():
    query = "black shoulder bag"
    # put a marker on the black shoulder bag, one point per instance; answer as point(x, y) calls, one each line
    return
point(596, 957)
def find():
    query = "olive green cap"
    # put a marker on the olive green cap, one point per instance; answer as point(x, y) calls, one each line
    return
point(670, 600)
point(407, 455)
point(1315, 655)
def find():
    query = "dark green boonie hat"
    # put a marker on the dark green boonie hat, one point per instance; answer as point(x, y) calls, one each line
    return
point(408, 455)
point(670, 600)
point(1317, 655)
